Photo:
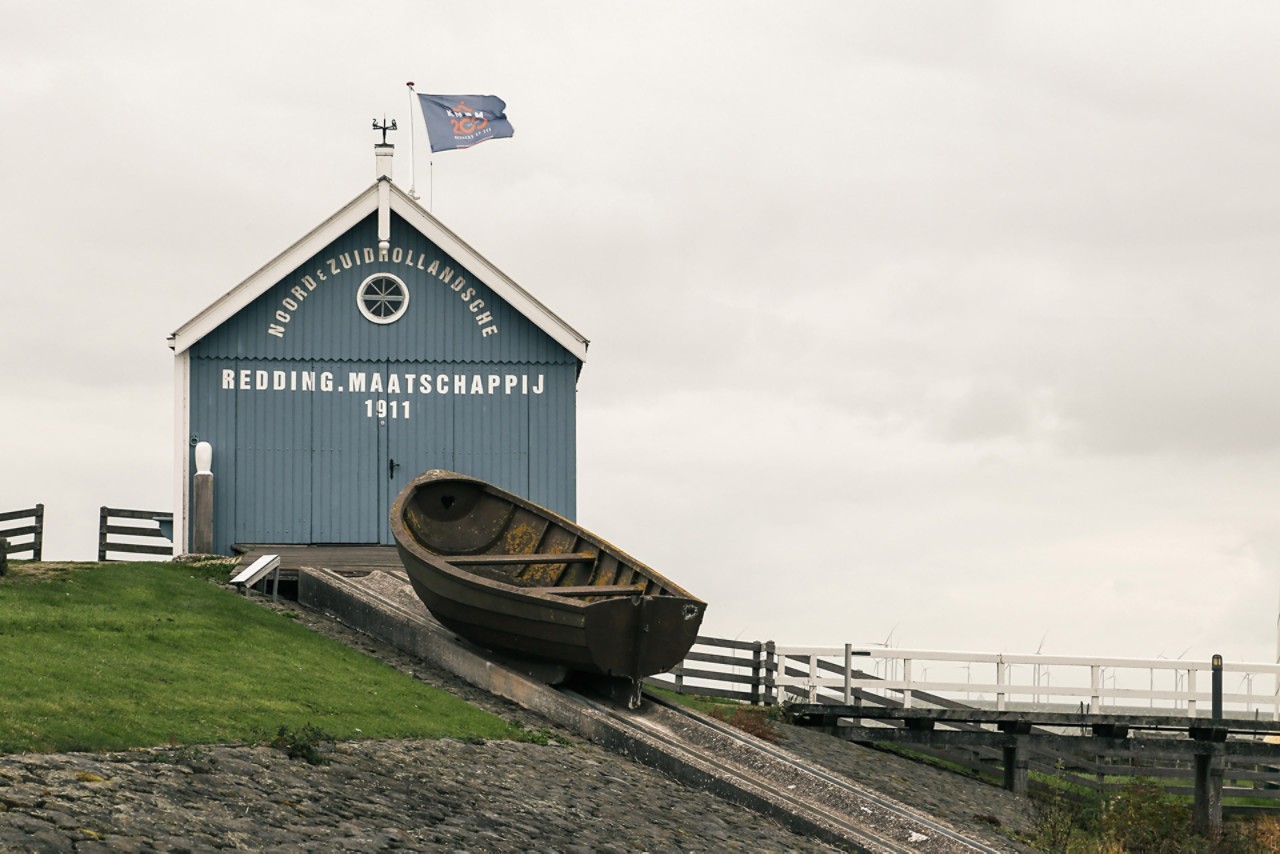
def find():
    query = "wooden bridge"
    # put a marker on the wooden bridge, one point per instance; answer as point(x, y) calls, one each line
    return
point(1086, 720)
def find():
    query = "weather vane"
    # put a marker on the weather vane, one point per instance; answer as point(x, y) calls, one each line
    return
point(384, 127)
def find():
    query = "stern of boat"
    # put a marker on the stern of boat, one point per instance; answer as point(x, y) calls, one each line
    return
point(637, 636)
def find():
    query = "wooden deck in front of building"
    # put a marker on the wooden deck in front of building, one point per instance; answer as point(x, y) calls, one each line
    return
point(342, 559)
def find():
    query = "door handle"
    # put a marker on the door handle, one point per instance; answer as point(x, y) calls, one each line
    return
point(392, 465)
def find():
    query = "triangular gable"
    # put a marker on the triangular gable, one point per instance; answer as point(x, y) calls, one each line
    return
point(418, 218)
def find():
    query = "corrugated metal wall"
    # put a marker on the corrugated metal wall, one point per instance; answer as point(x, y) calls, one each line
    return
point(318, 416)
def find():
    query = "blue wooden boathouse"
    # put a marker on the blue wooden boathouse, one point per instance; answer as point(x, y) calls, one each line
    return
point(378, 346)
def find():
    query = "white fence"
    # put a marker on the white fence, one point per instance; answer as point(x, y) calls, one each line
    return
point(1039, 682)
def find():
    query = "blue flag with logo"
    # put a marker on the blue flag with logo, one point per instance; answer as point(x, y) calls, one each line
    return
point(461, 121)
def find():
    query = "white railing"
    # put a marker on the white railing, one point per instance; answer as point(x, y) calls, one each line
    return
point(1011, 681)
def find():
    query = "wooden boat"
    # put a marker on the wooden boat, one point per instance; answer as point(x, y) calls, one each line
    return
point(518, 579)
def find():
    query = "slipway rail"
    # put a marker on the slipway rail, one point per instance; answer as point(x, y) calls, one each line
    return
point(682, 744)
point(802, 797)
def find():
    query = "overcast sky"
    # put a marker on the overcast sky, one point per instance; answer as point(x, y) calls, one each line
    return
point(945, 324)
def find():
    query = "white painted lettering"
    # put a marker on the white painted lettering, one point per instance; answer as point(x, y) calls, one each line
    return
point(424, 384)
point(276, 330)
point(260, 380)
point(345, 258)
point(309, 282)
point(408, 382)
point(442, 383)
point(397, 255)
point(488, 330)
point(289, 304)
point(408, 258)
point(467, 294)
point(459, 384)
point(476, 306)
point(321, 276)
point(368, 255)
point(308, 380)
point(245, 379)
point(326, 381)
point(393, 384)
point(375, 384)
point(228, 378)
point(355, 381)
point(511, 380)
point(282, 317)
point(434, 268)
point(278, 380)
point(484, 317)
point(298, 292)
point(538, 388)
point(446, 274)
point(477, 385)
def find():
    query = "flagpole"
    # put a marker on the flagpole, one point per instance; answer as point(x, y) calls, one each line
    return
point(413, 172)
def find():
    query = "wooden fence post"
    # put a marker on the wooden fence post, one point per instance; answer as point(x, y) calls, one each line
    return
point(770, 668)
point(37, 552)
point(756, 682)
point(4, 556)
point(202, 501)
point(102, 535)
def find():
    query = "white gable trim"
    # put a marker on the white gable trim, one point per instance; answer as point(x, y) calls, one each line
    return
point(335, 226)
point(498, 281)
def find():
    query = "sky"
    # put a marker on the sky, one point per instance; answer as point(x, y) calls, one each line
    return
point(944, 325)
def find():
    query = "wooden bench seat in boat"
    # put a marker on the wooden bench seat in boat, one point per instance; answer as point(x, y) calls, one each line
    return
point(496, 559)
point(590, 590)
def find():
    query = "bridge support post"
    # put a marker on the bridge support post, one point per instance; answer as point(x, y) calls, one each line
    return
point(1208, 803)
point(1015, 765)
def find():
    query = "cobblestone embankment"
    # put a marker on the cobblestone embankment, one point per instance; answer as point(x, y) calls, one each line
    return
point(444, 795)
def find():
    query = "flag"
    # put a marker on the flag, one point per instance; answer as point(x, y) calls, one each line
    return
point(461, 121)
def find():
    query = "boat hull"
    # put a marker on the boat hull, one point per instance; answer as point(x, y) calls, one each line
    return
point(447, 529)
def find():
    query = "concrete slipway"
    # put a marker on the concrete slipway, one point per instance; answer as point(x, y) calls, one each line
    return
point(692, 748)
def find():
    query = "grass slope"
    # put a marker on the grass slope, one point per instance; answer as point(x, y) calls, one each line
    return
point(114, 656)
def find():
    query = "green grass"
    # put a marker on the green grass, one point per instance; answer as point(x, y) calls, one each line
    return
point(760, 721)
point(116, 656)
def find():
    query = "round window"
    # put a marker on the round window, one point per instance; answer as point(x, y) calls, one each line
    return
point(382, 298)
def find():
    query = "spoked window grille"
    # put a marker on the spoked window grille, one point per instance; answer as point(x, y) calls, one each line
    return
point(382, 298)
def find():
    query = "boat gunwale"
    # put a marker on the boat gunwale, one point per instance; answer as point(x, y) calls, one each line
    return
point(407, 541)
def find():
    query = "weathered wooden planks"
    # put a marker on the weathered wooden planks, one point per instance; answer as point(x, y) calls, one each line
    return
point(35, 530)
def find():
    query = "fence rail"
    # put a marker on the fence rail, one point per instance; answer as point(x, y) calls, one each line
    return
point(35, 530)
point(1028, 682)
point(161, 528)
point(887, 678)
point(735, 663)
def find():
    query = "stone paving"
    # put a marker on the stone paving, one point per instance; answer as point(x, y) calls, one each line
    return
point(568, 796)
point(371, 796)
